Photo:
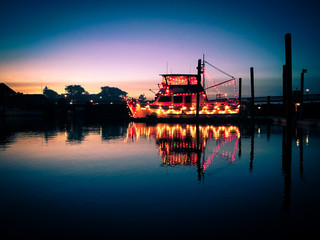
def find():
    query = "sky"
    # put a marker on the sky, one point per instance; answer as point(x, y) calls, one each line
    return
point(127, 44)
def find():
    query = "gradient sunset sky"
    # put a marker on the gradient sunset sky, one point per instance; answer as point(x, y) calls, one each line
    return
point(127, 44)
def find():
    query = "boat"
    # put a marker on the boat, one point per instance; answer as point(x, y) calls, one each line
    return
point(183, 96)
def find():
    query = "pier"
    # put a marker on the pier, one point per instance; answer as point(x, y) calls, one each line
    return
point(279, 99)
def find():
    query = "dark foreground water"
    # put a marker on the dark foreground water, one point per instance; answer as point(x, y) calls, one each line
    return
point(109, 181)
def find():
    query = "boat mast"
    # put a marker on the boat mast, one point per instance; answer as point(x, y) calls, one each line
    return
point(198, 87)
point(203, 62)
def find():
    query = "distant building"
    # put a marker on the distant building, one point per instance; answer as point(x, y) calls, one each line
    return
point(15, 104)
point(5, 91)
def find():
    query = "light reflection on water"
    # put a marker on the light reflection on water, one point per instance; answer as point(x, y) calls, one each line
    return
point(185, 144)
point(133, 179)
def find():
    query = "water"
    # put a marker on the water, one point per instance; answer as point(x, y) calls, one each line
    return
point(100, 180)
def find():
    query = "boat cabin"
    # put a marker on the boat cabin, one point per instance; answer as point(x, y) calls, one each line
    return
point(179, 90)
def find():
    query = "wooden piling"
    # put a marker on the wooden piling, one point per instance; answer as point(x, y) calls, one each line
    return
point(301, 93)
point(288, 53)
point(284, 89)
point(268, 105)
point(240, 95)
point(252, 93)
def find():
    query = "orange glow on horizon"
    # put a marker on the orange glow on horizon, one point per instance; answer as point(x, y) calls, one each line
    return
point(134, 89)
point(30, 76)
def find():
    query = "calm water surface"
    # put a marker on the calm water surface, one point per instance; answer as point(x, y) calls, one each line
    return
point(103, 180)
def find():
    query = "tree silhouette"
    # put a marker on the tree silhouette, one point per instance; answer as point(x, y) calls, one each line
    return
point(112, 94)
point(50, 93)
point(142, 97)
point(74, 90)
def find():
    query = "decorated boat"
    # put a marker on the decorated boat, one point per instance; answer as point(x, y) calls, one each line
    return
point(183, 96)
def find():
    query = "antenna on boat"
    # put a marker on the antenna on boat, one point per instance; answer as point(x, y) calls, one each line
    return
point(152, 91)
point(167, 67)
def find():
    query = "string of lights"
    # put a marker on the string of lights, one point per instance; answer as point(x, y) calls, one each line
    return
point(216, 87)
point(207, 76)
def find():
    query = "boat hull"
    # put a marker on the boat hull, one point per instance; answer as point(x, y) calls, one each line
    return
point(159, 112)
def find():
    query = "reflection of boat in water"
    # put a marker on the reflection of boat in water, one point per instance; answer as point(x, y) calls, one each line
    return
point(183, 144)
point(183, 96)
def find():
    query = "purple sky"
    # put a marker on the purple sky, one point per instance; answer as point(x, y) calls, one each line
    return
point(128, 44)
